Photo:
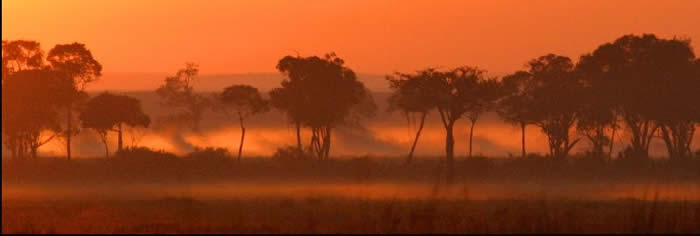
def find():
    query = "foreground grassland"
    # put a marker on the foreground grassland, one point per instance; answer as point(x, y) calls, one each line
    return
point(337, 215)
point(209, 194)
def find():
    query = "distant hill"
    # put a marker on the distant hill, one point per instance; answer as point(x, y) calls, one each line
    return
point(263, 81)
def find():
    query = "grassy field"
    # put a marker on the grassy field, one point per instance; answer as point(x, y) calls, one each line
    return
point(340, 215)
point(210, 194)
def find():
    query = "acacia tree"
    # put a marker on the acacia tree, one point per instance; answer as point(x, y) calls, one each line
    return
point(31, 100)
point(556, 101)
point(446, 92)
point(481, 98)
point(595, 119)
point(178, 92)
point(289, 99)
point(76, 62)
point(410, 96)
point(648, 77)
point(109, 112)
point(598, 115)
point(681, 112)
point(327, 94)
point(516, 105)
point(243, 101)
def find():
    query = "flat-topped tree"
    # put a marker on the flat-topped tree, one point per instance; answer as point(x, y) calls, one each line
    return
point(653, 87)
point(76, 62)
point(480, 99)
point(556, 101)
point(598, 115)
point(324, 94)
point(108, 112)
point(411, 98)
point(242, 101)
point(515, 107)
point(446, 91)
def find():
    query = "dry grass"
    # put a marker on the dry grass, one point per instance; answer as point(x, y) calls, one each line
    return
point(339, 215)
point(348, 196)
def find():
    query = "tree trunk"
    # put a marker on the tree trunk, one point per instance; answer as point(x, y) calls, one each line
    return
point(327, 144)
point(240, 147)
point(415, 141)
point(449, 143)
point(119, 138)
point(69, 130)
point(612, 143)
point(471, 136)
point(34, 151)
point(450, 151)
point(299, 136)
point(106, 149)
point(522, 128)
point(315, 145)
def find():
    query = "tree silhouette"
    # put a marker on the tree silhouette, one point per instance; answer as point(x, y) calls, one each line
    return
point(678, 96)
point(652, 83)
point(31, 100)
point(109, 112)
point(556, 101)
point(598, 108)
point(75, 61)
point(20, 55)
point(516, 105)
point(326, 95)
point(448, 92)
point(178, 92)
point(244, 101)
point(411, 97)
point(289, 99)
point(480, 98)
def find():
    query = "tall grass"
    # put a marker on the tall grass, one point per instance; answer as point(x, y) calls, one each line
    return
point(458, 205)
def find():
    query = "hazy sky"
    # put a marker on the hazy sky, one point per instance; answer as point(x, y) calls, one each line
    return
point(374, 36)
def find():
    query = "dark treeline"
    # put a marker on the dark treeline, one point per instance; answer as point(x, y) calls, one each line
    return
point(645, 85)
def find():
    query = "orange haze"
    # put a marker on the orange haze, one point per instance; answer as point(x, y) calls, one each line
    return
point(140, 42)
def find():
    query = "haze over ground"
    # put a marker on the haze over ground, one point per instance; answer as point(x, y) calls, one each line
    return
point(141, 42)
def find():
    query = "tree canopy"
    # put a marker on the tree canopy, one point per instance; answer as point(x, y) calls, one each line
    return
point(108, 112)
point(31, 100)
point(319, 93)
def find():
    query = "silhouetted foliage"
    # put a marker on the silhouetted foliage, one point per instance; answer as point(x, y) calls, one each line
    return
point(320, 93)
point(242, 101)
point(556, 101)
point(516, 105)
point(31, 100)
point(178, 92)
point(20, 55)
point(482, 97)
point(108, 112)
point(75, 61)
point(410, 96)
point(652, 84)
point(448, 92)
point(598, 114)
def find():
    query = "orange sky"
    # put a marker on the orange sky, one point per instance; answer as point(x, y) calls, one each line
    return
point(374, 36)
